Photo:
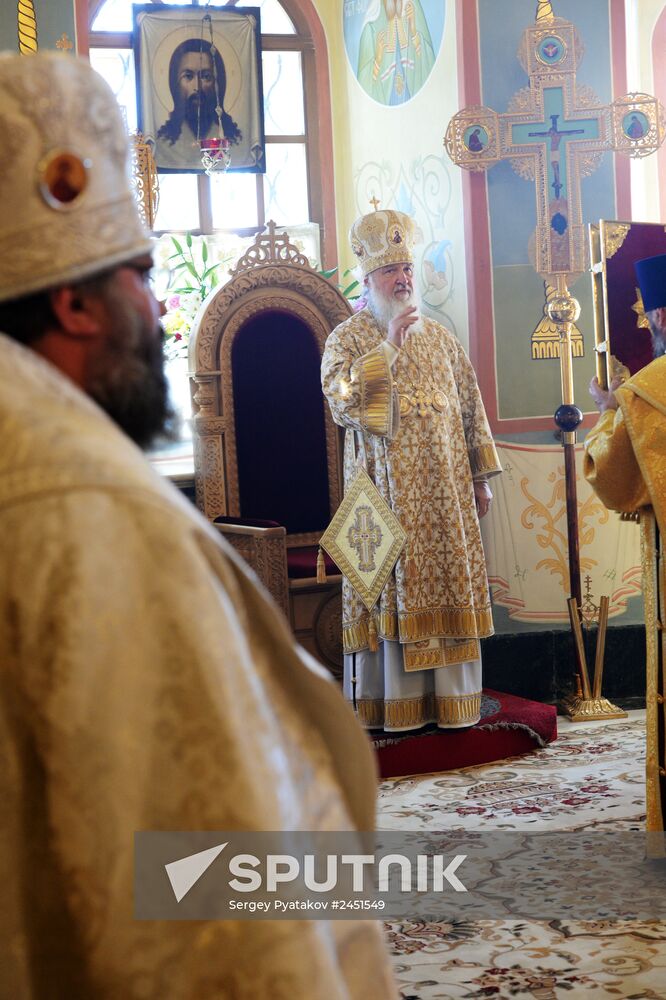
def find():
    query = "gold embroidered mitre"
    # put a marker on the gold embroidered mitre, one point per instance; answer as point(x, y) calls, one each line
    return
point(381, 238)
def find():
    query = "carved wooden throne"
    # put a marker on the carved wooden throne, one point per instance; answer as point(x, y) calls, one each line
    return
point(267, 455)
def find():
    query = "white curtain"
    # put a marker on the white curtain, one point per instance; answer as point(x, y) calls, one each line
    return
point(525, 539)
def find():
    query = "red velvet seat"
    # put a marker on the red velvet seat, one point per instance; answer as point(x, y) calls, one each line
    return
point(302, 563)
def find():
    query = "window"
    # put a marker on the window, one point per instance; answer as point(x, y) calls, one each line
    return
point(289, 192)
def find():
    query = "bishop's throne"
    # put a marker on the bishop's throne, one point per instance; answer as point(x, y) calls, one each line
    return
point(267, 455)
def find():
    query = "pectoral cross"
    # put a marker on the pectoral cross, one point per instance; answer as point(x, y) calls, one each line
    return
point(365, 537)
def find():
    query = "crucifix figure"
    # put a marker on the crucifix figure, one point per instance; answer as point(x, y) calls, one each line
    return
point(365, 537)
point(557, 151)
point(556, 136)
point(557, 158)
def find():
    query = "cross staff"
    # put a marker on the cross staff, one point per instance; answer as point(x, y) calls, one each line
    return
point(478, 137)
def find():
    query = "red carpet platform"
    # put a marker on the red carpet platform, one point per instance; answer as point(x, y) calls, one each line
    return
point(508, 726)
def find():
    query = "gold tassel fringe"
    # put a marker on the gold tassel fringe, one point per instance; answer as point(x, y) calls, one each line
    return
point(372, 635)
point(418, 625)
point(457, 710)
point(321, 567)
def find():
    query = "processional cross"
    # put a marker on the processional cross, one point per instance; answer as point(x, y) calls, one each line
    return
point(554, 134)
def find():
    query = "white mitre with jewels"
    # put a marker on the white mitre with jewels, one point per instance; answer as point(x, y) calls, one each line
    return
point(68, 210)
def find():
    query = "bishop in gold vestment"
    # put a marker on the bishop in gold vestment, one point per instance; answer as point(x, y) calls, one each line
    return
point(146, 682)
point(414, 416)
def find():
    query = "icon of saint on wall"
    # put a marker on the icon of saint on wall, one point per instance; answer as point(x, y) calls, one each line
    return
point(396, 52)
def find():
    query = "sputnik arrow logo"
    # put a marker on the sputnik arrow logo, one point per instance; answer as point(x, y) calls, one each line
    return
point(186, 872)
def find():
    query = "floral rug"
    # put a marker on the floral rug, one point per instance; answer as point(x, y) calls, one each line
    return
point(591, 777)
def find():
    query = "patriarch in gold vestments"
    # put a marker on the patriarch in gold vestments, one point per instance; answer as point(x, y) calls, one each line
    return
point(625, 462)
point(406, 393)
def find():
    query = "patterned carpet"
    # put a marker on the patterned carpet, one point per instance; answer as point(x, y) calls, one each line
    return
point(590, 778)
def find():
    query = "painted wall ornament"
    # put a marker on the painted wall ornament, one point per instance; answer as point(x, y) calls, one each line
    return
point(555, 133)
point(27, 27)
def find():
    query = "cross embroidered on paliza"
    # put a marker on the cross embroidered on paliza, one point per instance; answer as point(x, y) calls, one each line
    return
point(365, 537)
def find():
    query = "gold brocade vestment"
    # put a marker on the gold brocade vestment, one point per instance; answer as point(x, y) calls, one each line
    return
point(625, 462)
point(147, 683)
point(419, 424)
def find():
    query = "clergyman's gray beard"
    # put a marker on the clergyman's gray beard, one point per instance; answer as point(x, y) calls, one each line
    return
point(658, 344)
point(384, 308)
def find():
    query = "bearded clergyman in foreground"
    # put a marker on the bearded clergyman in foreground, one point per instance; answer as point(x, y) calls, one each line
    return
point(405, 390)
point(146, 682)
